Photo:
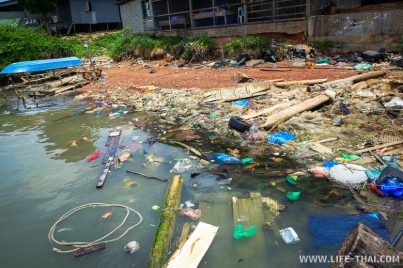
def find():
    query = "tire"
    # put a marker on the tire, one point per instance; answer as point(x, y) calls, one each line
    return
point(238, 124)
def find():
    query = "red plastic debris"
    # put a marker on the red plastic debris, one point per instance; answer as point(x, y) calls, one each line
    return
point(375, 188)
point(94, 156)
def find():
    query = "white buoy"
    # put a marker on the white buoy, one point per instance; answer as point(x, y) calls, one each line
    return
point(132, 247)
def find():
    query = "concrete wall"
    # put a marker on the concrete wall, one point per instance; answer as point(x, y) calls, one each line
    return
point(103, 11)
point(132, 16)
point(279, 27)
point(359, 31)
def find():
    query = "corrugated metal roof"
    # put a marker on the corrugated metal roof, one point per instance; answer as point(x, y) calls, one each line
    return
point(7, 2)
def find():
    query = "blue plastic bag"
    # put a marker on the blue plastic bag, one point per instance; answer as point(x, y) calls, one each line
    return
point(222, 158)
point(392, 186)
point(330, 164)
point(241, 103)
point(372, 175)
point(281, 137)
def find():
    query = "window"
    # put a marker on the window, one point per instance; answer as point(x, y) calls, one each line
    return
point(88, 7)
point(146, 7)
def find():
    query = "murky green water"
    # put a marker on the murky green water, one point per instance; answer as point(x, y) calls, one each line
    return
point(42, 176)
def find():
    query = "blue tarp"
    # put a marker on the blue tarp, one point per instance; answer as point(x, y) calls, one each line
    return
point(41, 65)
point(332, 230)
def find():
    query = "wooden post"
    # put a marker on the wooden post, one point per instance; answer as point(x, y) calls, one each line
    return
point(308, 8)
point(213, 3)
point(192, 22)
point(274, 9)
point(169, 16)
point(163, 237)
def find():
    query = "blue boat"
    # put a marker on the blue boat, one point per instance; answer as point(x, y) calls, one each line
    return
point(41, 65)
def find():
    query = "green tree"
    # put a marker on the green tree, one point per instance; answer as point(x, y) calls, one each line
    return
point(43, 7)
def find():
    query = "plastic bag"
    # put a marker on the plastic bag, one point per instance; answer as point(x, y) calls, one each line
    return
point(289, 235)
point(293, 196)
point(222, 158)
point(281, 137)
point(240, 232)
point(247, 161)
point(241, 103)
point(292, 180)
point(392, 187)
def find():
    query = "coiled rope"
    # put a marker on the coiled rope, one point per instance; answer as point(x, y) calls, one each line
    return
point(103, 239)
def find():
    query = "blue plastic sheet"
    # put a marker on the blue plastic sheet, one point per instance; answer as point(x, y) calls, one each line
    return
point(241, 103)
point(332, 230)
point(281, 137)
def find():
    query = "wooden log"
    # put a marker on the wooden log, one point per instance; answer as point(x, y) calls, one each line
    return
point(269, 110)
point(296, 109)
point(346, 81)
point(364, 243)
point(163, 236)
point(300, 82)
point(379, 147)
point(192, 252)
point(89, 250)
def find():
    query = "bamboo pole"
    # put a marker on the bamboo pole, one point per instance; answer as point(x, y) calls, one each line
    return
point(163, 237)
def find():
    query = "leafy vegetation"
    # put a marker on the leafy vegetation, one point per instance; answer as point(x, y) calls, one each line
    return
point(42, 7)
point(21, 44)
point(400, 44)
point(324, 46)
point(245, 44)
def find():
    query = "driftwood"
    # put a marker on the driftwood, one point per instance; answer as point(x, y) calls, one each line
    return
point(363, 245)
point(296, 109)
point(269, 110)
point(347, 81)
point(379, 147)
point(300, 82)
point(163, 236)
point(89, 250)
point(146, 176)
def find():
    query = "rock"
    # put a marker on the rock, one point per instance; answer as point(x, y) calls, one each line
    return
point(337, 121)
point(253, 63)
point(240, 78)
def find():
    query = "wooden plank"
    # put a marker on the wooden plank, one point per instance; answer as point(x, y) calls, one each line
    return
point(300, 82)
point(317, 147)
point(284, 115)
point(192, 252)
point(274, 70)
point(249, 212)
point(379, 147)
point(346, 81)
point(269, 110)
point(238, 92)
